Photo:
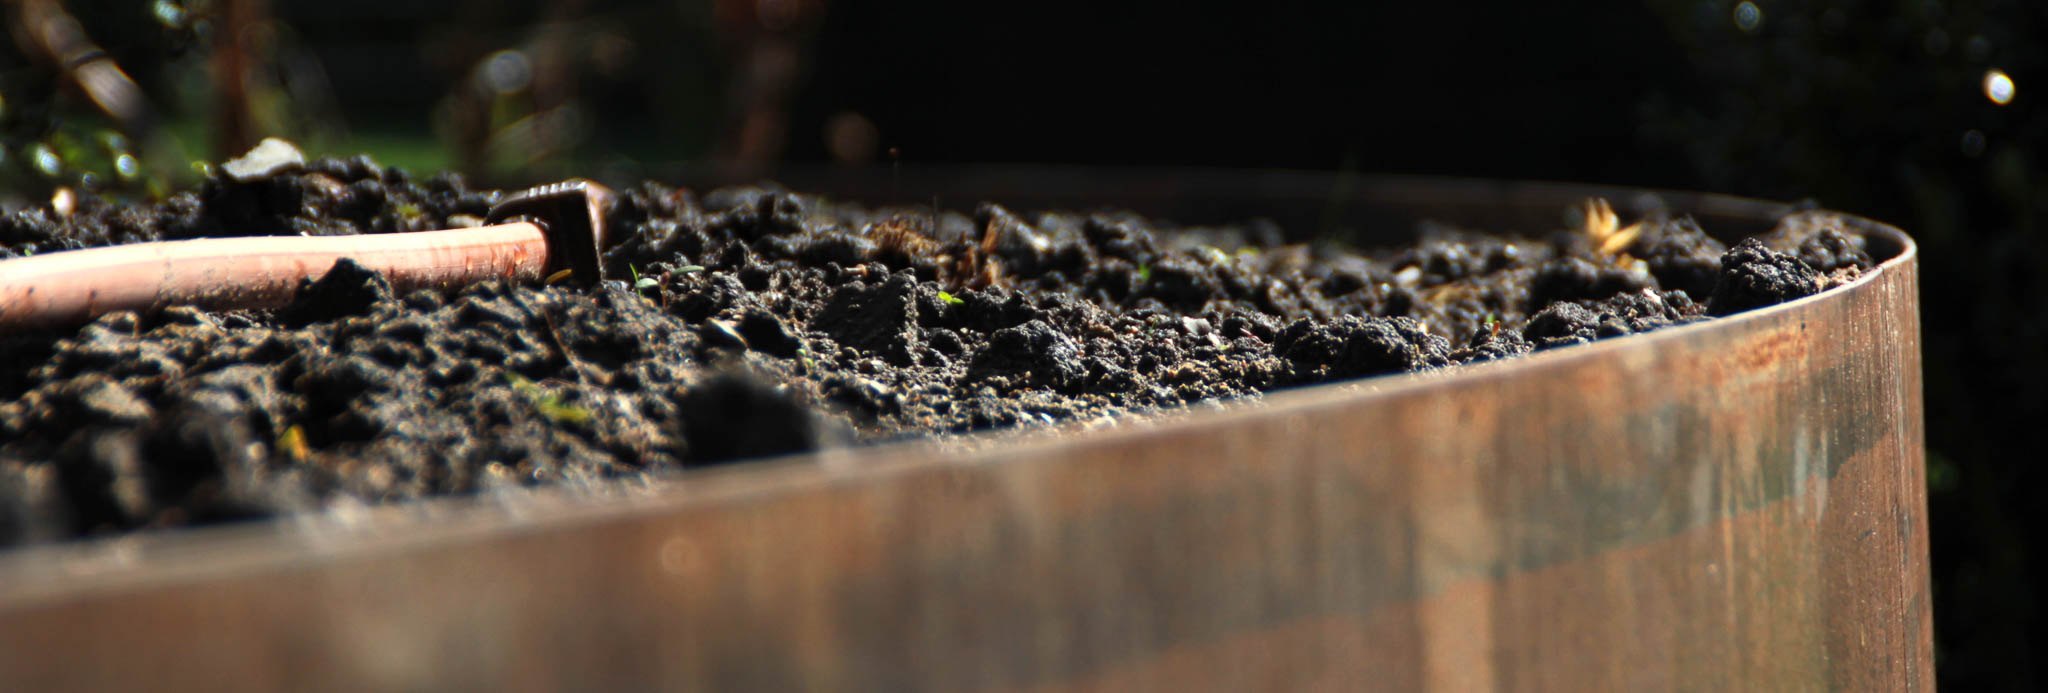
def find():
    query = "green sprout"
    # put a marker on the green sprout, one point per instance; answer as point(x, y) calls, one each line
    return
point(686, 269)
point(548, 404)
point(641, 283)
point(1144, 274)
point(949, 298)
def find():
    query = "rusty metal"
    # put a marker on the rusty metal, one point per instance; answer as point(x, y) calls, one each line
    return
point(1733, 505)
point(561, 226)
point(573, 214)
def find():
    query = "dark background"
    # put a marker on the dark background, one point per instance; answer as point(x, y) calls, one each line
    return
point(1878, 108)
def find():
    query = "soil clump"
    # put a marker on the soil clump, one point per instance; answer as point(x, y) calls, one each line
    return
point(763, 322)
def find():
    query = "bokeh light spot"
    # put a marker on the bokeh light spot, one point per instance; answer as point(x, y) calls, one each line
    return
point(168, 13)
point(1748, 16)
point(46, 161)
point(1998, 87)
point(851, 138)
point(507, 72)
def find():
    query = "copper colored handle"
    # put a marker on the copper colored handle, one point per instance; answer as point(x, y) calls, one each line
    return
point(76, 286)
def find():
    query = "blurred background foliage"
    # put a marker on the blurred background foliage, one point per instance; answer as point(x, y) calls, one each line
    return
point(1917, 112)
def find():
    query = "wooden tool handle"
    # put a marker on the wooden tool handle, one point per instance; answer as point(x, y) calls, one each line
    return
point(220, 273)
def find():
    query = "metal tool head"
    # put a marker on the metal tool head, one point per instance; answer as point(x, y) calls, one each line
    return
point(572, 213)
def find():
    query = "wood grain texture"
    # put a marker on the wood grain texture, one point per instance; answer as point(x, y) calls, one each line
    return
point(1732, 505)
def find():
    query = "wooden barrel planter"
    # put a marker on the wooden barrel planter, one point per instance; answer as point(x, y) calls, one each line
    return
point(1732, 505)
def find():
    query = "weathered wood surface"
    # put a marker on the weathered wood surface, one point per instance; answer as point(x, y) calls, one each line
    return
point(1737, 505)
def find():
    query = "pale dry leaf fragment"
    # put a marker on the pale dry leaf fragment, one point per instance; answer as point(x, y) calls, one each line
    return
point(1601, 224)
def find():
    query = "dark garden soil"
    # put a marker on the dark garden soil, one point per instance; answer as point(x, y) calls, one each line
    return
point(755, 321)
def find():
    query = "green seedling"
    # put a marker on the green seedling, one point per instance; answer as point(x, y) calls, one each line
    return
point(641, 283)
point(686, 269)
point(548, 404)
point(558, 412)
point(949, 298)
point(1144, 274)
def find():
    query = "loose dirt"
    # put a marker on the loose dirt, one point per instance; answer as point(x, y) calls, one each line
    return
point(750, 322)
